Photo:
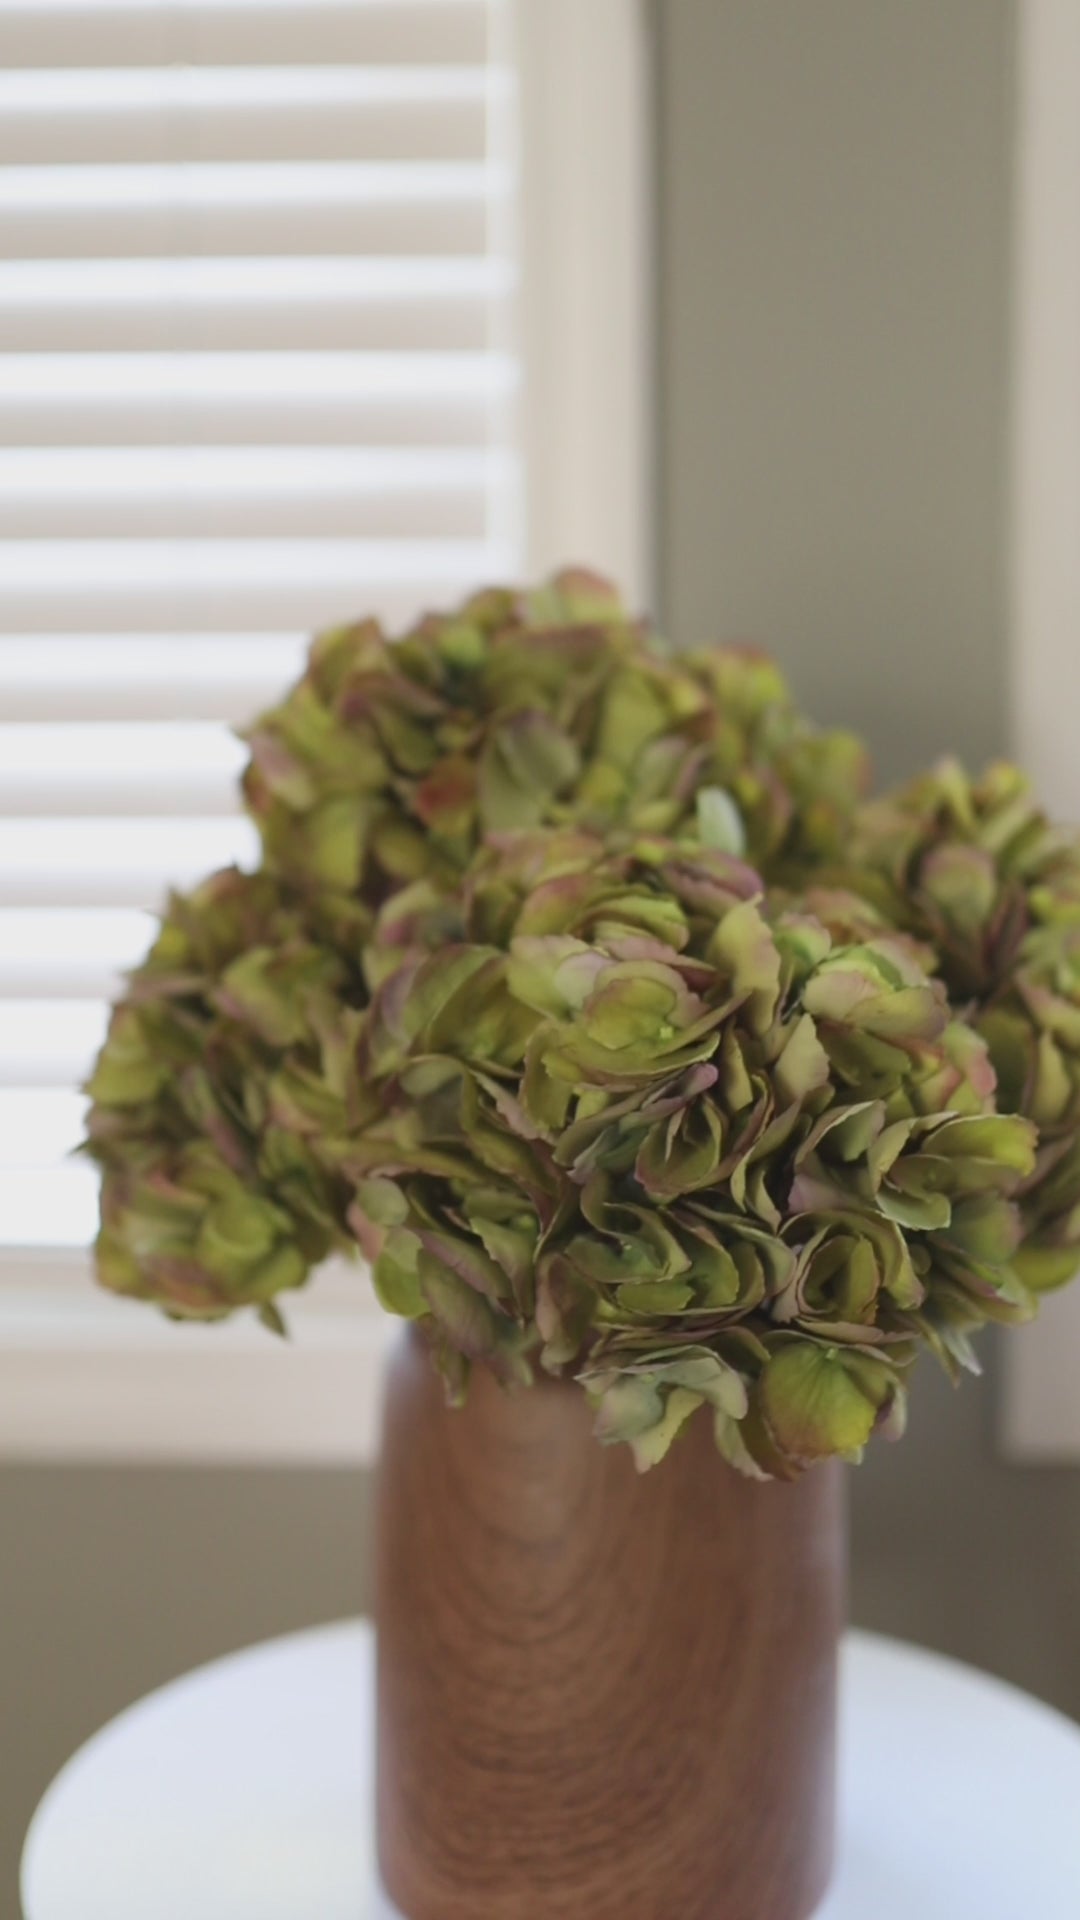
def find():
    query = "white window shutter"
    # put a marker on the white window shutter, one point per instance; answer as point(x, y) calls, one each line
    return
point(255, 300)
point(1041, 1364)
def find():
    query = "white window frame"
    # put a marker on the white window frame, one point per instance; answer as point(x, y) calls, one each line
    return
point(86, 1377)
point(1041, 1397)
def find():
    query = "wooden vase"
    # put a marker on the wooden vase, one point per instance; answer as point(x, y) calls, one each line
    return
point(601, 1696)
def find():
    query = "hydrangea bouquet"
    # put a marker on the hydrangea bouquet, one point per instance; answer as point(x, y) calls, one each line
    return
point(583, 993)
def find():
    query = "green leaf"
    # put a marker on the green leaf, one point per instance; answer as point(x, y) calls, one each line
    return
point(396, 1276)
point(654, 1297)
point(744, 946)
point(650, 1447)
point(465, 1258)
point(733, 1448)
point(462, 1313)
point(720, 824)
point(273, 1320)
point(627, 1406)
point(812, 1405)
point(126, 1073)
point(1044, 1269)
point(383, 1202)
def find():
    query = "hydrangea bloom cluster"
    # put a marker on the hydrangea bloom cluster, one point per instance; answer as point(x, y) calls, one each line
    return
point(583, 993)
point(975, 871)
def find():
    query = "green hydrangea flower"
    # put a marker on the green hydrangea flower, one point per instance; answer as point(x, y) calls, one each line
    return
point(977, 874)
point(389, 763)
point(651, 1125)
point(231, 1051)
point(582, 994)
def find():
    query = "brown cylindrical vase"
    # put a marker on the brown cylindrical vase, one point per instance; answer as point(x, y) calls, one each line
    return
point(601, 1695)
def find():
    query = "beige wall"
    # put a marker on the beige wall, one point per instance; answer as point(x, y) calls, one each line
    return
point(834, 200)
point(835, 182)
point(834, 284)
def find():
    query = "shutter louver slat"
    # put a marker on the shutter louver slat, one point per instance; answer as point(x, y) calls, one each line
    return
point(404, 226)
point(257, 399)
point(126, 492)
point(308, 599)
point(131, 118)
point(49, 1043)
point(47, 1122)
point(74, 91)
point(86, 418)
point(66, 954)
point(175, 187)
point(64, 769)
point(113, 863)
point(253, 305)
point(226, 33)
point(193, 209)
point(182, 377)
point(98, 676)
point(253, 379)
point(53, 1206)
point(229, 583)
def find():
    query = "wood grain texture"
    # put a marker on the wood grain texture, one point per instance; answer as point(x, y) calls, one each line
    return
point(601, 1696)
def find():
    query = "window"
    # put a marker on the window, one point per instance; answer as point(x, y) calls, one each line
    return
point(300, 301)
point(251, 301)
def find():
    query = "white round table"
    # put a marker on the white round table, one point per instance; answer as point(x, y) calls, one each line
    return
point(243, 1792)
